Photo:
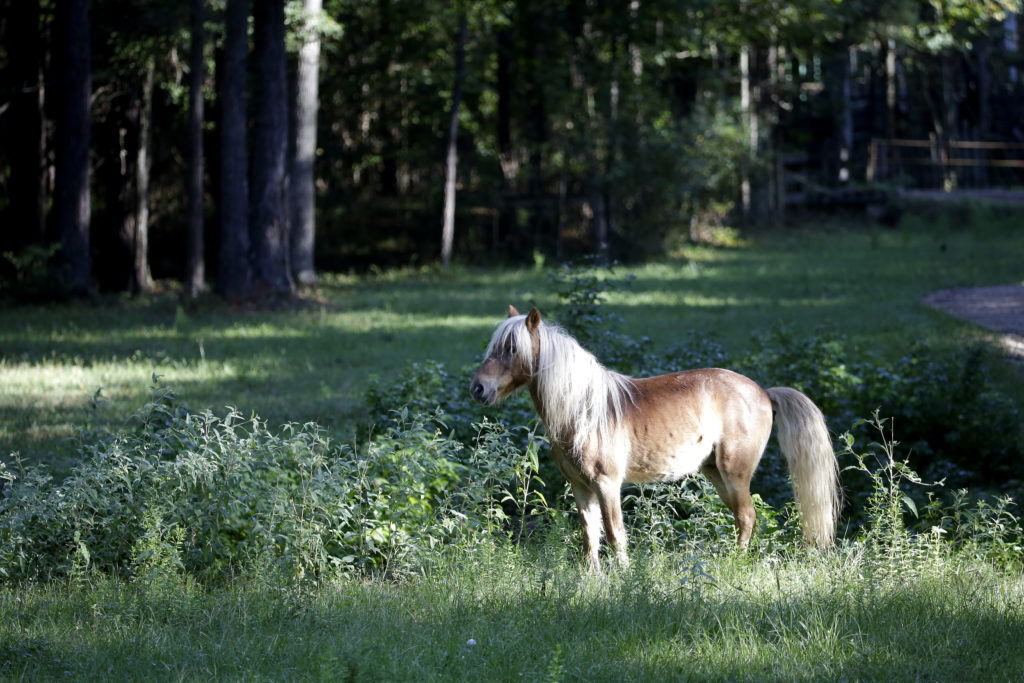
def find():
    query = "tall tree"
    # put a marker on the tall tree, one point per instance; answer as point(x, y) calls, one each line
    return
point(27, 145)
point(451, 158)
point(195, 269)
point(72, 51)
point(505, 40)
point(234, 277)
point(142, 280)
point(268, 223)
point(302, 178)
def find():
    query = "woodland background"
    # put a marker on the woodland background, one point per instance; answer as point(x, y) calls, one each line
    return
point(242, 146)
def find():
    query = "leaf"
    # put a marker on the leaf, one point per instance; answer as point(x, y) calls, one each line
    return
point(911, 505)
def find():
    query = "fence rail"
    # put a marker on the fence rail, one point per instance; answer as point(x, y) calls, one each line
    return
point(888, 156)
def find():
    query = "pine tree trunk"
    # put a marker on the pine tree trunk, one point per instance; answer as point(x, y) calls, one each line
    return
point(303, 178)
point(235, 275)
point(844, 117)
point(27, 147)
point(195, 268)
point(448, 228)
point(505, 88)
point(750, 119)
point(268, 224)
point(71, 205)
point(143, 280)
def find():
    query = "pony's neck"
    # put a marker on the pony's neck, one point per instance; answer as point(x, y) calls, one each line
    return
point(576, 397)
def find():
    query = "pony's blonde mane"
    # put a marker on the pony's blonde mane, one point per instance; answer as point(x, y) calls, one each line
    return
point(579, 398)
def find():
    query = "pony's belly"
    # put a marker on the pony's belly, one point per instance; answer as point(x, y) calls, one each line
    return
point(669, 464)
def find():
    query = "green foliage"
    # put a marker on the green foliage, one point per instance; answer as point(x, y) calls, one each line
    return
point(822, 366)
point(987, 530)
point(955, 424)
point(901, 537)
point(946, 406)
point(887, 501)
point(33, 276)
point(582, 289)
point(213, 494)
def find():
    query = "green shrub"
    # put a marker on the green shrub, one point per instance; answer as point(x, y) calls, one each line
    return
point(582, 290)
point(952, 421)
point(207, 497)
point(227, 492)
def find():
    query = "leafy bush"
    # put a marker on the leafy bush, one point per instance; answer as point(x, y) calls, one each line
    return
point(31, 275)
point(214, 495)
point(958, 426)
point(582, 291)
point(899, 533)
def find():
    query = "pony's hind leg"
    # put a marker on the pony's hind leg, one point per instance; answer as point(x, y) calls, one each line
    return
point(735, 493)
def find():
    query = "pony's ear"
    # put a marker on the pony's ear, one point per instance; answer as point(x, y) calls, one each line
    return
point(532, 319)
point(512, 312)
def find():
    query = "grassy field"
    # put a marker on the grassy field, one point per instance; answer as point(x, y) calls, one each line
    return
point(90, 364)
point(885, 605)
point(507, 615)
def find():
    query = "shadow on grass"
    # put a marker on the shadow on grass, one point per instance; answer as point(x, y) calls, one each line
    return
point(510, 621)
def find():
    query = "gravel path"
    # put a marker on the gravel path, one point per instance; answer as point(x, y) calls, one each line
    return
point(1000, 309)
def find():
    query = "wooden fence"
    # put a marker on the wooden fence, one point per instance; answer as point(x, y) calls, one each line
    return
point(947, 164)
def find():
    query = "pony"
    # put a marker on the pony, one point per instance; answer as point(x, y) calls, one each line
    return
point(606, 429)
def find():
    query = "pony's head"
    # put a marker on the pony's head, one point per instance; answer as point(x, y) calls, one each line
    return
point(511, 358)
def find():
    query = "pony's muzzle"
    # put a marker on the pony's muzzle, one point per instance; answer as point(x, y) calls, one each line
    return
point(480, 393)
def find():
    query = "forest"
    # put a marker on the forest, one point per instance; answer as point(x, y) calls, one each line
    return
point(242, 147)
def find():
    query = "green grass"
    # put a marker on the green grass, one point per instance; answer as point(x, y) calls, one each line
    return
point(537, 617)
point(915, 609)
point(314, 363)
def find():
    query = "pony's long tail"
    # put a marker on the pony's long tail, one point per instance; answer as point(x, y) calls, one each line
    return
point(813, 468)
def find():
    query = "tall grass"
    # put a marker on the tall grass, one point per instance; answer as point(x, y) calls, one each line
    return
point(502, 613)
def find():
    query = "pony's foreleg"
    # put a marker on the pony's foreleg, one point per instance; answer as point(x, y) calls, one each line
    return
point(610, 494)
point(589, 508)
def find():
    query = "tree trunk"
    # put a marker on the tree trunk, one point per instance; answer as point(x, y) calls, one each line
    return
point(27, 146)
point(195, 268)
point(750, 123)
point(505, 88)
point(268, 223)
point(71, 205)
point(448, 229)
point(235, 275)
point(303, 178)
point(142, 279)
point(843, 91)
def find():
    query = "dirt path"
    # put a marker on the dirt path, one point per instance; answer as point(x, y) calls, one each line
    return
point(1000, 309)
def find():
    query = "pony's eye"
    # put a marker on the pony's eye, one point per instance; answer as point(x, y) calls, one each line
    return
point(511, 347)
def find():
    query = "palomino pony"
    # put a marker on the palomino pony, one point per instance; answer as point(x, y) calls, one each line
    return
point(606, 429)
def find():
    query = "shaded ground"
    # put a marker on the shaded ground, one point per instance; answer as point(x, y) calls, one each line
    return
point(1000, 309)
